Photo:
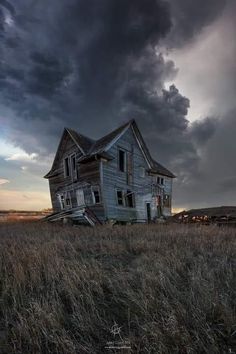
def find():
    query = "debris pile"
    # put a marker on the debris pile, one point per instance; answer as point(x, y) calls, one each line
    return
point(224, 215)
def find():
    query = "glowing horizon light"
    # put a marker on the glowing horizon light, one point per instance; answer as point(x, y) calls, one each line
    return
point(4, 181)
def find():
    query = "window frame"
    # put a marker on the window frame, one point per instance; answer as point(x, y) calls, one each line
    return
point(68, 197)
point(96, 189)
point(127, 195)
point(80, 196)
point(167, 200)
point(74, 172)
point(160, 180)
point(67, 167)
point(62, 201)
point(122, 197)
point(124, 152)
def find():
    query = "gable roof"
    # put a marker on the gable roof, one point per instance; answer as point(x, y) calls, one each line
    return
point(103, 143)
point(91, 148)
point(83, 142)
point(158, 168)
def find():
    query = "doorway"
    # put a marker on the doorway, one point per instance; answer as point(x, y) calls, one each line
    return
point(148, 208)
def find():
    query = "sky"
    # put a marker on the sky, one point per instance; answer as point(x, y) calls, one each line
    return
point(92, 65)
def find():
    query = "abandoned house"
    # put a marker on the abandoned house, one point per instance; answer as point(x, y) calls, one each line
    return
point(110, 179)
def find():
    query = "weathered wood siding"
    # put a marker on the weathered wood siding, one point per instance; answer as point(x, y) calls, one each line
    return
point(88, 176)
point(114, 180)
point(59, 183)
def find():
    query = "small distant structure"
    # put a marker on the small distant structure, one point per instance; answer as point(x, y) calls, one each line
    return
point(113, 179)
point(224, 215)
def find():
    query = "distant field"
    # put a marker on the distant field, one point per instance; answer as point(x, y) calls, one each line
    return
point(171, 289)
point(21, 215)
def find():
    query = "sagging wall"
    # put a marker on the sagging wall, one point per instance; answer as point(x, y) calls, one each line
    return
point(88, 176)
point(60, 183)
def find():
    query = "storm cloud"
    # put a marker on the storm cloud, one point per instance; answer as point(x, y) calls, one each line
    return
point(91, 65)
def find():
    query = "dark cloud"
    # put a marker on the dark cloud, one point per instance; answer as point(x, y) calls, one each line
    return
point(190, 17)
point(202, 130)
point(92, 65)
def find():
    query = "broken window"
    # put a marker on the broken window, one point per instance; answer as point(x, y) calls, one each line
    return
point(96, 195)
point(67, 167)
point(120, 199)
point(121, 160)
point(130, 199)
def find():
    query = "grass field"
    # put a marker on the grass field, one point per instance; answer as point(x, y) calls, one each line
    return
point(171, 289)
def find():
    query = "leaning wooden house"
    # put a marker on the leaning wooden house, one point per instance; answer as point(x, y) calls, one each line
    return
point(110, 179)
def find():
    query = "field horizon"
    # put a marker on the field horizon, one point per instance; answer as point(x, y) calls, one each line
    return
point(148, 288)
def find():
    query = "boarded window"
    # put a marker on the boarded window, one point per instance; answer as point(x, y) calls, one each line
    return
point(120, 199)
point(80, 197)
point(130, 202)
point(96, 195)
point(121, 160)
point(67, 167)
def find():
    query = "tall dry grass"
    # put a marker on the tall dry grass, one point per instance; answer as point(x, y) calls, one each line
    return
point(171, 288)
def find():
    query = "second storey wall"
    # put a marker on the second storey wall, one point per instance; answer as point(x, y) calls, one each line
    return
point(114, 180)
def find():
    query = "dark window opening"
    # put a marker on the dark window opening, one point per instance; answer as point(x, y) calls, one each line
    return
point(130, 199)
point(73, 164)
point(160, 180)
point(62, 202)
point(148, 208)
point(68, 199)
point(96, 195)
point(122, 160)
point(120, 197)
point(67, 167)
